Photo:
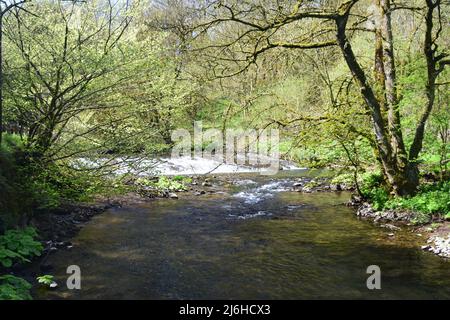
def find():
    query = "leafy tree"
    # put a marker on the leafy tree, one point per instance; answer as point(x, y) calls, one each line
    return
point(64, 59)
point(242, 32)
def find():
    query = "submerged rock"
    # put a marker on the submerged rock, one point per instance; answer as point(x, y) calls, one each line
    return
point(390, 227)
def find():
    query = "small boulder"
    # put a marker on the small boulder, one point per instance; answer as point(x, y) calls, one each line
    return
point(336, 187)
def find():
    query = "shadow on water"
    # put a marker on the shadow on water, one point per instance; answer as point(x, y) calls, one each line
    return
point(256, 240)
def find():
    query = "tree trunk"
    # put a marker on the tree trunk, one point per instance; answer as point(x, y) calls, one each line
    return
point(395, 130)
point(1, 77)
point(401, 175)
point(404, 182)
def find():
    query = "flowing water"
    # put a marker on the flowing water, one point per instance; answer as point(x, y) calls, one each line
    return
point(254, 238)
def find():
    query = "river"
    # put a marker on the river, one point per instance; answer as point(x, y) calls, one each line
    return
point(252, 238)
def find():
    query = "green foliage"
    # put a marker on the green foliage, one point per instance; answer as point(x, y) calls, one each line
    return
point(431, 199)
point(177, 183)
point(45, 279)
point(378, 197)
point(371, 180)
point(182, 179)
point(19, 246)
point(11, 142)
point(14, 288)
point(373, 189)
point(312, 184)
point(344, 178)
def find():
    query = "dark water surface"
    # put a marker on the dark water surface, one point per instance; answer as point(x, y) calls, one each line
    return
point(256, 240)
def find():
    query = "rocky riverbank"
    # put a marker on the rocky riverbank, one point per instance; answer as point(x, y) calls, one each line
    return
point(437, 234)
point(439, 240)
point(365, 210)
point(309, 185)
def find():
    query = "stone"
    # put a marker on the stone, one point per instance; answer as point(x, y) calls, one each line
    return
point(390, 227)
point(173, 195)
point(336, 187)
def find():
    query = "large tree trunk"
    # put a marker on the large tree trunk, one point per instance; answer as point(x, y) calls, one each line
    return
point(401, 175)
point(404, 181)
point(394, 125)
point(406, 178)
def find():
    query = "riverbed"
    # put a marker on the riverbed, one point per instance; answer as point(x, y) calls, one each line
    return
point(251, 237)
